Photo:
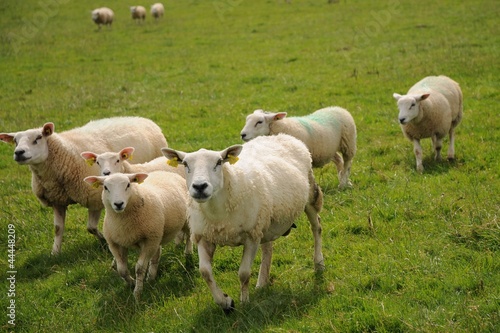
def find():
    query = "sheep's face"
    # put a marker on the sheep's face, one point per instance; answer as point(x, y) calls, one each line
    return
point(113, 162)
point(204, 169)
point(409, 107)
point(31, 145)
point(117, 188)
point(258, 123)
point(95, 15)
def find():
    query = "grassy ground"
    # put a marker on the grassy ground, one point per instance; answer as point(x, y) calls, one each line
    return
point(404, 252)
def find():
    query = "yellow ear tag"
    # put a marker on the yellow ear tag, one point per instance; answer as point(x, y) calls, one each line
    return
point(173, 162)
point(90, 162)
point(95, 184)
point(131, 157)
point(139, 182)
point(232, 159)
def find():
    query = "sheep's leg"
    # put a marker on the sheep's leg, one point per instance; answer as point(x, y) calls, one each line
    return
point(339, 163)
point(346, 172)
point(315, 221)
point(451, 148)
point(206, 252)
point(417, 149)
point(437, 143)
point(147, 252)
point(92, 224)
point(249, 252)
point(189, 245)
point(265, 265)
point(121, 254)
point(153, 265)
point(59, 219)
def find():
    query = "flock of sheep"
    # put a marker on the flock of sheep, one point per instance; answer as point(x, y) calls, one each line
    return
point(246, 194)
point(105, 16)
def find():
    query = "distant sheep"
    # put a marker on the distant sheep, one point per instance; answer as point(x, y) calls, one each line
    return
point(110, 162)
point(57, 168)
point(143, 216)
point(102, 16)
point(432, 108)
point(252, 202)
point(138, 13)
point(325, 133)
point(157, 11)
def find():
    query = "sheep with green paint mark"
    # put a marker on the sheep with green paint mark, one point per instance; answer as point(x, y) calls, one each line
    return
point(325, 132)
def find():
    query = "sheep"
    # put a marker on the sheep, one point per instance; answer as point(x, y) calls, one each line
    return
point(102, 16)
point(431, 108)
point(57, 168)
point(249, 203)
point(325, 132)
point(143, 216)
point(157, 10)
point(111, 162)
point(138, 13)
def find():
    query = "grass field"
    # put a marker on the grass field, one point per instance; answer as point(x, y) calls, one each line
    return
point(404, 252)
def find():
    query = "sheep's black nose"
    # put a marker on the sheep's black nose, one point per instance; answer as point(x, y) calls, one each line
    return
point(200, 187)
point(243, 135)
point(402, 120)
point(106, 173)
point(19, 152)
point(118, 205)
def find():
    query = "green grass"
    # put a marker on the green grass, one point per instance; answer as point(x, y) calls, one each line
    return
point(404, 252)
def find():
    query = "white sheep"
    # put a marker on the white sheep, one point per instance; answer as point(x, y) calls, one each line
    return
point(143, 216)
point(432, 108)
point(112, 162)
point(325, 132)
point(252, 202)
point(157, 10)
point(102, 16)
point(138, 13)
point(57, 168)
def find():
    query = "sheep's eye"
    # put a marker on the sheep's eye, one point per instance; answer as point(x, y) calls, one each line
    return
point(98, 163)
point(117, 161)
point(412, 105)
point(106, 188)
point(36, 140)
point(128, 185)
point(258, 123)
point(219, 163)
point(186, 166)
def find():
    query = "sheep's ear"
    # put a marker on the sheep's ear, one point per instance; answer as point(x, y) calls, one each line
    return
point(48, 129)
point(7, 137)
point(138, 177)
point(422, 97)
point(230, 154)
point(126, 153)
point(94, 181)
point(89, 157)
point(279, 115)
point(396, 96)
point(173, 156)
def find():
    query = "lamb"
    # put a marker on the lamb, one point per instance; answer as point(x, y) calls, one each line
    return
point(111, 162)
point(57, 168)
point(138, 13)
point(102, 16)
point(157, 10)
point(144, 216)
point(252, 202)
point(432, 108)
point(325, 132)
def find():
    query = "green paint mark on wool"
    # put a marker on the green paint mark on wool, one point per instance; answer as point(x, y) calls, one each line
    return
point(323, 119)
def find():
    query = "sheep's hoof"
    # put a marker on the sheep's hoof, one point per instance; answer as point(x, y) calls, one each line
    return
point(230, 309)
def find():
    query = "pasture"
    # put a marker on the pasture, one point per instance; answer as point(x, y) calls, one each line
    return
point(404, 252)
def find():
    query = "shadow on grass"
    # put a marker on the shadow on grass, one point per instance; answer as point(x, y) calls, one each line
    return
point(268, 306)
point(44, 264)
